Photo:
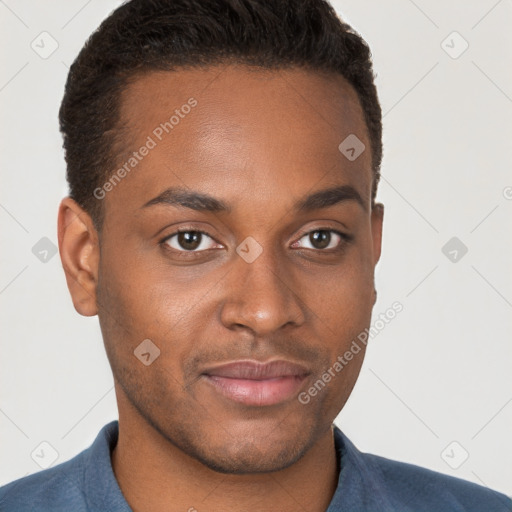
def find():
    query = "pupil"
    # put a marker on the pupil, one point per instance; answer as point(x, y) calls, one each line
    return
point(189, 240)
point(320, 239)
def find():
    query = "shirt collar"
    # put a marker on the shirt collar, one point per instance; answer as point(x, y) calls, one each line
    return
point(360, 486)
point(102, 492)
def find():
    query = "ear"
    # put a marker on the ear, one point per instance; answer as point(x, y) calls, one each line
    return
point(377, 220)
point(79, 253)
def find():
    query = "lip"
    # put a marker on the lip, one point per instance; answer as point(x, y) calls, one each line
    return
point(255, 383)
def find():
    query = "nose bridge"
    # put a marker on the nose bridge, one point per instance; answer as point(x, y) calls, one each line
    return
point(260, 295)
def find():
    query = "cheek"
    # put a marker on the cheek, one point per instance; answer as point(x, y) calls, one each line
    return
point(343, 299)
point(149, 372)
point(359, 282)
point(127, 312)
point(142, 301)
point(138, 293)
point(344, 316)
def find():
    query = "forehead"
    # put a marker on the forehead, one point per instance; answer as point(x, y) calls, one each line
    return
point(248, 129)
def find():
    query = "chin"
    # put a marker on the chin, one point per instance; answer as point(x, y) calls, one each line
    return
point(247, 449)
point(252, 459)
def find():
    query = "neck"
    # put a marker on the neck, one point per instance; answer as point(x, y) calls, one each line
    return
point(155, 475)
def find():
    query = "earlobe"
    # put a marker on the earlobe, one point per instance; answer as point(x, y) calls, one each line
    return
point(79, 253)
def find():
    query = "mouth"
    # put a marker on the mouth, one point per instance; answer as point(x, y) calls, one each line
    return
point(258, 384)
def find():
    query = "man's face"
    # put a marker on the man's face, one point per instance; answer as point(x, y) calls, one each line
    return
point(266, 282)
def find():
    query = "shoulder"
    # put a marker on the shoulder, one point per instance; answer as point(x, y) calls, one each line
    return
point(430, 490)
point(57, 488)
point(81, 484)
point(401, 487)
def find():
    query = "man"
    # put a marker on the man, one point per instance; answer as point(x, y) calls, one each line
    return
point(223, 160)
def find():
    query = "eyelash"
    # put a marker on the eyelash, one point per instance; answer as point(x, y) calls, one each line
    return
point(344, 240)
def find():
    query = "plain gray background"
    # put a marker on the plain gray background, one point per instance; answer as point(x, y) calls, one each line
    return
point(436, 387)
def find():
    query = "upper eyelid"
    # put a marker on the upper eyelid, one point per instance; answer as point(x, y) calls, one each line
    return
point(187, 231)
point(344, 236)
point(332, 230)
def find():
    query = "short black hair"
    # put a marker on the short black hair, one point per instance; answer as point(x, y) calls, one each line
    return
point(142, 36)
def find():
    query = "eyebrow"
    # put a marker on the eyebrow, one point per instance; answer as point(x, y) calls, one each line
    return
point(180, 197)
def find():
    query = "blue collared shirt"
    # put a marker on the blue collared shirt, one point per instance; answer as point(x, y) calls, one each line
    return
point(367, 483)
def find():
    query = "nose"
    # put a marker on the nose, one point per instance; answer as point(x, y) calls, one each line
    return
point(261, 296)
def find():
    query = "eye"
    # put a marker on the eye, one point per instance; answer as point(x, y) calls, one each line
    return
point(188, 240)
point(194, 241)
point(321, 239)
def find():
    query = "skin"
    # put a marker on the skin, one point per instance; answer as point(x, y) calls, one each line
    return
point(259, 140)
